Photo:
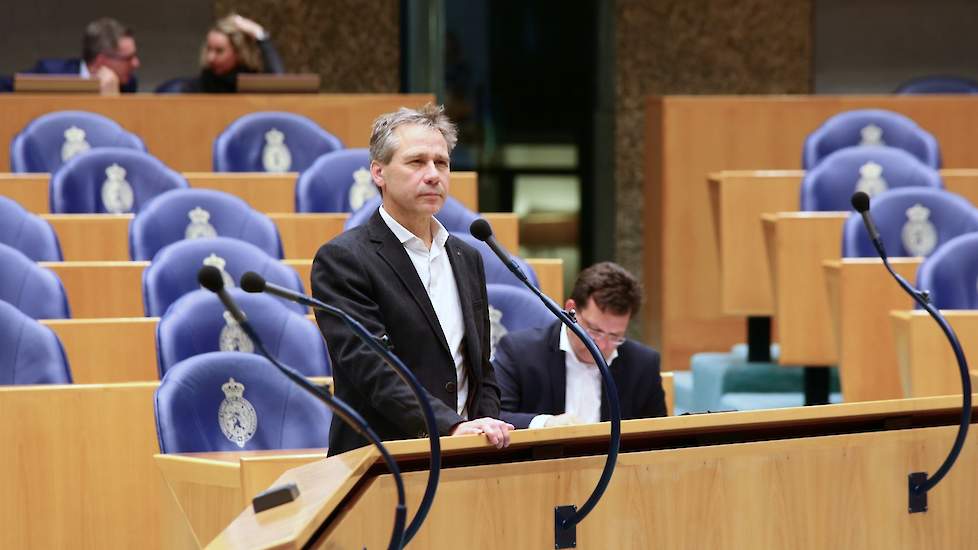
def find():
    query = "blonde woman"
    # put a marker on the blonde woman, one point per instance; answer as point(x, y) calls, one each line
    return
point(234, 45)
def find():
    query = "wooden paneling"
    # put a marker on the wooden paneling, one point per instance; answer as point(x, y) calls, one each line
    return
point(78, 467)
point(861, 295)
point(689, 137)
point(797, 244)
point(926, 359)
point(180, 129)
point(106, 351)
point(29, 190)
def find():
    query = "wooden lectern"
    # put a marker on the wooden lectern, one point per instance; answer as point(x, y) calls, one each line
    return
point(816, 477)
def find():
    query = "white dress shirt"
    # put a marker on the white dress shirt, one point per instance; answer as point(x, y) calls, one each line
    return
point(435, 271)
point(582, 393)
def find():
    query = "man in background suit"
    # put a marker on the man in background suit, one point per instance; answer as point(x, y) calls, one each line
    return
point(402, 275)
point(548, 377)
point(108, 54)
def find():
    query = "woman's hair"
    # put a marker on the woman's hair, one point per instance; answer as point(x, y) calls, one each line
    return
point(244, 46)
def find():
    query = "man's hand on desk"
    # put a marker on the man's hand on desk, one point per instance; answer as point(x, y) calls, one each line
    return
point(566, 419)
point(496, 430)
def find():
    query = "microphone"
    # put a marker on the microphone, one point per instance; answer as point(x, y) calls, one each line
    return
point(918, 482)
point(860, 201)
point(566, 518)
point(254, 283)
point(210, 278)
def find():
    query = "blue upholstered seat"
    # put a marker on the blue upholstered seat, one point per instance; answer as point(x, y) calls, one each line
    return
point(50, 140)
point(912, 221)
point(34, 290)
point(173, 271)
point(230, 401)
point(28, 233)
point(338, 181)
point(199, 213)
point(30, 353)
point(830, 185)
point(197, 323)
point(938, 84)
point(271, 141)
point(111, 180)
point(870, 127)
point(950, 274)
point(513, 309)
point(496, 271)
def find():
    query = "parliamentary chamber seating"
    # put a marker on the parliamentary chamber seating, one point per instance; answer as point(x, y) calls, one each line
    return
point(870, 150)
point(51, 140)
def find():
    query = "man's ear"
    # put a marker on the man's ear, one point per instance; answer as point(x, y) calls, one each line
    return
point(377, 174)
point(570, 304)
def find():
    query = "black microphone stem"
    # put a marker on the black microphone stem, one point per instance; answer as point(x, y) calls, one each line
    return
point(340, 408)
point(406, 375)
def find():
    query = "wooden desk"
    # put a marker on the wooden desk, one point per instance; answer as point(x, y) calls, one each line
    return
point(688, 137)
point(109, 351)
point(797, 244)
point(861, 294)
point(105, 237)
point(926, 361)
point(180, 129)
point(268, 193)
point(115, 289)
point(738, 198)
point(671, 476)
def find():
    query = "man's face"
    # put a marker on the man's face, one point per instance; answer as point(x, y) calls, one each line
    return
point(415, 181)
point(123, 61)
point(606, 328)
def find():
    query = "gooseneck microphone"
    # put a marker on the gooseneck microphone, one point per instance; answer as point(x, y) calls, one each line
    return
point(919, 483)
point(567, 517)
point(253, 282)
point(210, 278)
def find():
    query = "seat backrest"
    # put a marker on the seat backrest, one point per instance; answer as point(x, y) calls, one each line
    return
point(173, 271)
point(453, 215)
point(870, 127)
point(512, 308)
point(34, 290)
point(197, 323)
point(829, 186)
point(230, 401)
point(338, 181)
point(50, 140)
point(938, 84)
point(177, 85)
point(271, 141)
point(199, 213)
point(28, 233)
point(950, 274)
point(912, 221)
point(30, 353)
point(496, 271)
point(111, 180)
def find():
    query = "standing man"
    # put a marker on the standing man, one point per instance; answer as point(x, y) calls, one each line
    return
point(547, 375)
point(402, 275)
point(108, 54)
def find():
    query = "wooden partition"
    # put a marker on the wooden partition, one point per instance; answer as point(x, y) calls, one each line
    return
point(180, 129)
point(925, 358)
point(738, 199)
point(689, 137)
point(115, 289)
point(265, 192)
point(767, 483)
point(78, 467)
point(861, 294)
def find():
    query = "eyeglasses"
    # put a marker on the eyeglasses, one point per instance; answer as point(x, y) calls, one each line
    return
point(598, 334)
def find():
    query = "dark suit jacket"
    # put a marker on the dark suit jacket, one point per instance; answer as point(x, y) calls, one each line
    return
point(366, 272)
point(532, 375)
point(72, 66)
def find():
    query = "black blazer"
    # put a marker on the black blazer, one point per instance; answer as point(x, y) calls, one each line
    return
point(366, 272)
point(532, 375)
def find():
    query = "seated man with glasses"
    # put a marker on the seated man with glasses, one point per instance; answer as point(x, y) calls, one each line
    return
point(548, 377)
point(108, 54)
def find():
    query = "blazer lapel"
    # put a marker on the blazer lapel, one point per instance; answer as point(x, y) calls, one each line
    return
point(617, 376)
point(397, 258)
point(556, 365)
point(466, 296)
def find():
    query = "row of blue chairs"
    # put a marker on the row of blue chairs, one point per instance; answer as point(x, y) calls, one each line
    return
point(266, 141)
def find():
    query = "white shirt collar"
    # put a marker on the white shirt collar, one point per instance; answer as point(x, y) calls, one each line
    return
point(404, 235)
point(565, 346)
point(83, 70)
